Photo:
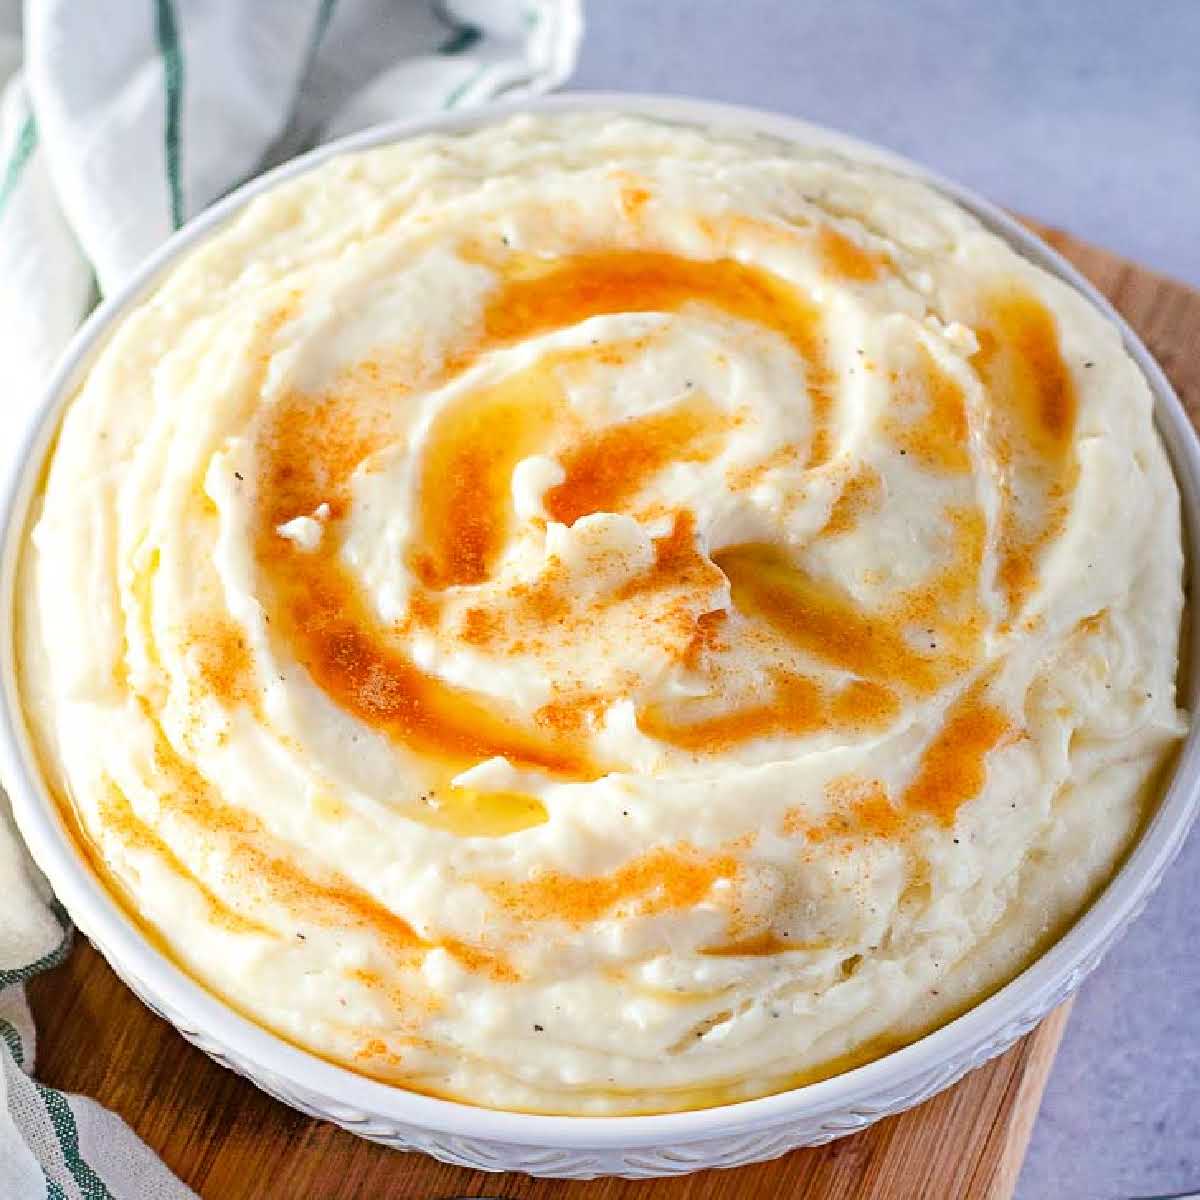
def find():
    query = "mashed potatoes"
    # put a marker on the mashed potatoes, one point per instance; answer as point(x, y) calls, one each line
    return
point(592, 617)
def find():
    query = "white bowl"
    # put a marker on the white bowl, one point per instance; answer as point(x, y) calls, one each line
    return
point(580, 1147)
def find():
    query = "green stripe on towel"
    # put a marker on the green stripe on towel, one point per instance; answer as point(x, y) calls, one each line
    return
point(90, 1184)
point(168, 45)
point(463, 88)
point(12, 1039)
point(324, 16)
point(27, 139)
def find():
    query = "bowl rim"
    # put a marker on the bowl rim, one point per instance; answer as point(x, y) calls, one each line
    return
point(960, 1040)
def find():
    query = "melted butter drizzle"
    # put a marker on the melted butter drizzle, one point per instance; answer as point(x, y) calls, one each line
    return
point(1033, 410)
point(466, 516)
point(465, 513)
point(953, 768)
point(605, 470)
point(929, 417)
point(316, 605)
point(823, 621)
point(799, 705)
point(318, 611)
point(563, 293)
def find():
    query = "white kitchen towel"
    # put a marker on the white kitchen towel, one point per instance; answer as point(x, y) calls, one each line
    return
point(120, 120)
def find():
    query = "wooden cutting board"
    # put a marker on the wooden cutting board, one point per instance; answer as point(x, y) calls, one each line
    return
point(229, 1141)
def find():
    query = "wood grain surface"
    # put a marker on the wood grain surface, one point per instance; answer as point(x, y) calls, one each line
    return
point(229, 1141)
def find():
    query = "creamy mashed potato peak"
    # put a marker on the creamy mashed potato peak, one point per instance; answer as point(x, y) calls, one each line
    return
point(590, 616)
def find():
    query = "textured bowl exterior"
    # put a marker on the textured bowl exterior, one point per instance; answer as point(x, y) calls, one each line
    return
point(575, 1147)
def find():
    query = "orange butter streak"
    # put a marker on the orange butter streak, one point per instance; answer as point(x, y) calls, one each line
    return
point(310, 446)
point(606, 468)
point(634, 197)
point(118, 819)
point(762, 945)
point(796, 708)
point(679, 563)
point(563, 293)
point(947, 603)
point(861, 809)
point(1033, 409)
point(188, 793)
point(260, 865)
point(865, 806)
point(862, 492)
point(336, 903)
point(707, 638)
point(822, 621)
point(953, 768)
point(224, 663)
point(480, 961)
point(952, 771)
point(322, 617)
point(1022, 364)
point(662, 880)
point(937, 439)
point(863, 704)
point(466, 477)
point(844, 258)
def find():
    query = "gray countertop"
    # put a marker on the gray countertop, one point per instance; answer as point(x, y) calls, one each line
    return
point(1085, 114)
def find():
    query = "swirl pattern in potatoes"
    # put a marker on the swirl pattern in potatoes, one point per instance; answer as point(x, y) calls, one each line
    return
point(593, 617)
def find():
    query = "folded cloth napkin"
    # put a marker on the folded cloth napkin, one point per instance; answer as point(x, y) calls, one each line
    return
point(118, 123)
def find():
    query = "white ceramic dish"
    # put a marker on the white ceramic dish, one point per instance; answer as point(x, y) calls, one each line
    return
point(580, 1147)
